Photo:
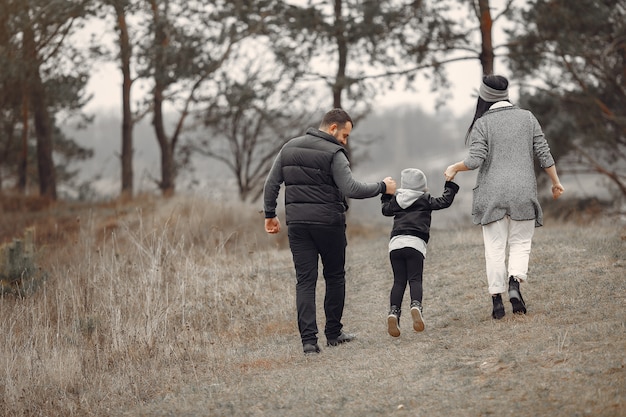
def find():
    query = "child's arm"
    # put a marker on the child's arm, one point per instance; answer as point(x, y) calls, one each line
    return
point(386, 201)
point(449, 192)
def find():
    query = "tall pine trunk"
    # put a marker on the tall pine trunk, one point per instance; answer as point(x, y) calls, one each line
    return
point(127, 116)
point(486, 22)
point(342, 51)
point(22, 165)
point(167, 152)
point(43, 131)
point(167, 149)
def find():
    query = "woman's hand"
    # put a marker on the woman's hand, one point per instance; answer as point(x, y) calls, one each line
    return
point(557, 190)
point(450, 172)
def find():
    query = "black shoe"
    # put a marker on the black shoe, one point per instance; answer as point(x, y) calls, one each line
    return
point(393, 321)
point(515, 296)
point(310, 348)
point(498, 307)
point(342, 338)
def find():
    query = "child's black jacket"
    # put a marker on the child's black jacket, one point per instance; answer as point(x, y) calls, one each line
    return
point(415, 219)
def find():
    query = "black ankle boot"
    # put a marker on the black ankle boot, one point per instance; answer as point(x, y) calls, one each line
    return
point(498, 307)
point(515, 296)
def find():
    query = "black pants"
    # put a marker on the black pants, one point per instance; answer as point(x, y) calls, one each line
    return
point(408, 267)
point(307, 243)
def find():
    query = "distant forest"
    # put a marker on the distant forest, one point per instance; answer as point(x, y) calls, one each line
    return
point(222, 85)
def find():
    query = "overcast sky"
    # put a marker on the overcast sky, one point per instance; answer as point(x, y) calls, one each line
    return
point(106, 80)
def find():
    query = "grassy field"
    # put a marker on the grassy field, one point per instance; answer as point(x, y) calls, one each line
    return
point(186, 308)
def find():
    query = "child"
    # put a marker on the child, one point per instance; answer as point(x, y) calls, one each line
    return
point(411, 208)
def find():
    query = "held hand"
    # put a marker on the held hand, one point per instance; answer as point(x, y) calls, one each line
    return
point(272, 226)
point(390, 183)
point(449, 173)
point(557, 190)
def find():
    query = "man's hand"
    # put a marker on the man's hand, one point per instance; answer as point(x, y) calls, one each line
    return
point(390, 183)
point(272, 226)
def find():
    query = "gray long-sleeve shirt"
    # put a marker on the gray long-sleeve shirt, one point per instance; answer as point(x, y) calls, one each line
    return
point(342, 175)
point(503, 144)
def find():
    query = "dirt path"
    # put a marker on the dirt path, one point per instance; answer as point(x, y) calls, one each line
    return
point(565, 358)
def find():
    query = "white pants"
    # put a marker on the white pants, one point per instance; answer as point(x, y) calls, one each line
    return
point(518, 235)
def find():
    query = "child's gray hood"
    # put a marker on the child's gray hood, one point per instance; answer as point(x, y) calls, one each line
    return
point(405, 197)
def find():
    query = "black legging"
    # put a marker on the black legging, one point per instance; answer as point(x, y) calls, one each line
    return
point(408, 267)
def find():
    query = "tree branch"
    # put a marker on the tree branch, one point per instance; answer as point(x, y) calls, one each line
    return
point(391, 73)
point(600, 169)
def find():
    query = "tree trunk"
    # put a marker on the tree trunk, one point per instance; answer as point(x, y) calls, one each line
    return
point(167, 155)
point(127, 117)
point(342, 50)
point(11, 85)
point(486, 54)
point(167, 150)
point(45, 163)
point(22, 167)
point(43, 131)
point(8, 131)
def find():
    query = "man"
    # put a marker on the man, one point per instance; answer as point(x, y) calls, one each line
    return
point(317, 177)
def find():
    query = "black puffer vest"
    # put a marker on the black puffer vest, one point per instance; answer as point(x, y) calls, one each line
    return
point(311, 195)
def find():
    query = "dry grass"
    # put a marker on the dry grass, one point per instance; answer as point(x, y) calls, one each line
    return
point(186, 308)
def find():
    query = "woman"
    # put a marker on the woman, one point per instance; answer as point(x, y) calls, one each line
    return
point(503, 142)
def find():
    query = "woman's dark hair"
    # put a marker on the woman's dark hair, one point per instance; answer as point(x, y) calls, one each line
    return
point(496, 82)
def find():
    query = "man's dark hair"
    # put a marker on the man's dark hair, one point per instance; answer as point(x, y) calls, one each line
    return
point(338, 116)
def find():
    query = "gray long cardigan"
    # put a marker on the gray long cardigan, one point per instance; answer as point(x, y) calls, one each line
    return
point(503, 144)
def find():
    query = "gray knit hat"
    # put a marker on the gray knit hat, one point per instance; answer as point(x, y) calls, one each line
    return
point(413, 179)
point(492, 95)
